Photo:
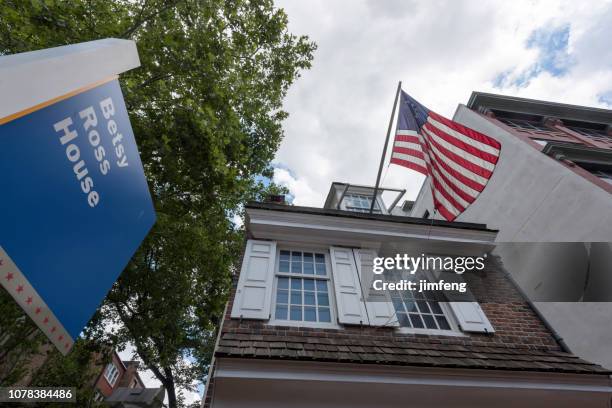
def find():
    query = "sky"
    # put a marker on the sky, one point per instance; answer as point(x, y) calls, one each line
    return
point(441, 51)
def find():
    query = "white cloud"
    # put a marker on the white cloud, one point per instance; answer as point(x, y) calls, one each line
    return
point(442, 51)
point(303, 194)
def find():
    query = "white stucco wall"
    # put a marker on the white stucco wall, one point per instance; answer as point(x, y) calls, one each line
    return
point(531, 197)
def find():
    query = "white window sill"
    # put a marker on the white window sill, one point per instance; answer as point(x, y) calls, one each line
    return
point(431, 332)
point(295, 323)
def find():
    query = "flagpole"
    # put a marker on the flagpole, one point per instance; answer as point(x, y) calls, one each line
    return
point(384, 152)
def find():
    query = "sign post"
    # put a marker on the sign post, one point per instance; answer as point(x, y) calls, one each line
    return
point(74, 201)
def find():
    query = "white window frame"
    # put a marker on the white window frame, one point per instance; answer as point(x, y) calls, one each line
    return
point(112, 379)
point(455, 330)
point(333, 324)
point(381, 207)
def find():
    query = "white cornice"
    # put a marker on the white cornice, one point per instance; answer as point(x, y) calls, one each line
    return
point(285, 225)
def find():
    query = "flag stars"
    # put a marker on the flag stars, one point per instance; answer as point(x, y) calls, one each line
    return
point(19, 288)
point(38, 310)
point(29, 300)
point(46, 320)
point(60, 338)
point(53, 329)
point(66, 345)
point(9, 276)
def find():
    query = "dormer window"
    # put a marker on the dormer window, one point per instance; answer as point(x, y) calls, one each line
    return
point(360, 203)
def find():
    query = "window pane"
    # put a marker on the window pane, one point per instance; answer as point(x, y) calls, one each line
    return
point(308, 257)
point(282, 296)
point(283, 266)
point(309, 284)
point(324, 315)
point(423, 307)
point(442, 323)
point(323, 299)
point(309, 298)
point(296, 262)
point(296, 298)
point(296, 284)
point(296, 312)
point(283, 283)
point(310, 314)
point(308, 268)
point(403, 320)
point(416, 321)
point(321, 269)
point(411, 307)
point(284, 255)
point(320, 258)
point(321, 286)
point(281, 312)
point(398, 304)
point(435, 307)
point(429, 321)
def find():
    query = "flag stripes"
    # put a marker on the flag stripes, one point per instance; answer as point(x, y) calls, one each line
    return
point(458, 160)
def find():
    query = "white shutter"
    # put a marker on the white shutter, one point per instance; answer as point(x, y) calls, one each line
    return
point(254, 292)
point(351, 309)
point(471, 318)
point(469, 314)
point(378, 304)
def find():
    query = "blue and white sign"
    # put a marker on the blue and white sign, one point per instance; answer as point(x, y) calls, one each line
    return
point(74, 207)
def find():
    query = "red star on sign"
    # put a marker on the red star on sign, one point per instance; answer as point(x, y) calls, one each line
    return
point(60, 338)
point(38, 310)
point(46, 320)
point(52, 329)
point(19, 289)
point(66, 345)
point(9, 276)
point(29, 301)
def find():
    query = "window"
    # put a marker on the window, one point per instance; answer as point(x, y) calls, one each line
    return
point(604, 175)
point(596, 134)
point(111, 373)
point(419, 310)
point(360, 203)
point(525, 125)
point(302, 287)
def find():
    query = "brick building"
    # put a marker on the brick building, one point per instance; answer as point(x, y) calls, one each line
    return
point(115, 374)
point(119, 385)
point(298, 330)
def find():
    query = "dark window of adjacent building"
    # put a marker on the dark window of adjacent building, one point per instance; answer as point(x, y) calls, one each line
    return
point(525, 125)
point(603, 174)
point(595, 134)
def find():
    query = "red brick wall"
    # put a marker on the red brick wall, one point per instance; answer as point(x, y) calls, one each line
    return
point(102, 384)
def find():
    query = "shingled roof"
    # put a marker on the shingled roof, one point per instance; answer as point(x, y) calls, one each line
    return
point(398, 351)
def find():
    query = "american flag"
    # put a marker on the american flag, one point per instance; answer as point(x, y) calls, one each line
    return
point(458, 160)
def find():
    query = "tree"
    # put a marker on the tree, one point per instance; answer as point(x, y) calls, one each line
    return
point(206, 109)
